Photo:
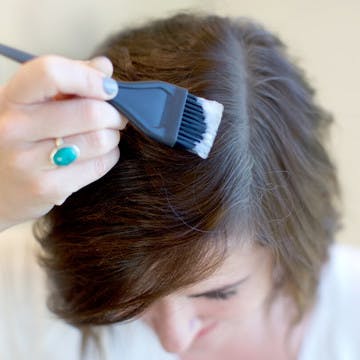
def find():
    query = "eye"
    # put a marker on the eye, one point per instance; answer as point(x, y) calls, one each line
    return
point(220, 295)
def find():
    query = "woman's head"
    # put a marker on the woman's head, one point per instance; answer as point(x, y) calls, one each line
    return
point(224, 309)
point(163, 219)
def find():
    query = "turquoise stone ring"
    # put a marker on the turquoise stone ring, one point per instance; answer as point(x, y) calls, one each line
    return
point(64, 155)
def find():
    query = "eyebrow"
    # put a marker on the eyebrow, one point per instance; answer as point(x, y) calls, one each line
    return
point(223, 288)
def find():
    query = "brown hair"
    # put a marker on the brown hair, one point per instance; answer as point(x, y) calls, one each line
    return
point(160, 219)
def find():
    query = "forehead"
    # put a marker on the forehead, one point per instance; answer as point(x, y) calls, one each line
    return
point(242, 261)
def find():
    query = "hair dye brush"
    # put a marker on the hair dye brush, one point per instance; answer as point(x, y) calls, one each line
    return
point(163, 111)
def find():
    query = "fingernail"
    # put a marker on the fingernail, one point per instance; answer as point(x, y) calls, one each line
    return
point(110, 86)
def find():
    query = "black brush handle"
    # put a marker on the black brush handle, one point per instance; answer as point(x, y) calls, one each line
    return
point(15, 54)
point(147, 104)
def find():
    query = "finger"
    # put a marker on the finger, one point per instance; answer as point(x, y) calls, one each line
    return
point(67, 117)
point(44, 77)
point(103, 64)
point(91, 145)
point(75, 176)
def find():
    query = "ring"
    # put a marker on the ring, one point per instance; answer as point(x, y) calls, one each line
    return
point(63, 155)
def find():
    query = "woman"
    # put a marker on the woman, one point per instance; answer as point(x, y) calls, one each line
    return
point(229, 257)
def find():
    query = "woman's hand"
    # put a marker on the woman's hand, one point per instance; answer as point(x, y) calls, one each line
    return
point(54, 97)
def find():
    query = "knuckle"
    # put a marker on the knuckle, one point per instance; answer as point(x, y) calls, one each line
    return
point(43, 188)
point(40, 187)
point(116, 156)
point(99, 114)
point(97, 140)
point(110, 117)
point(10, 128)
point(114, 116)
point(91, 112)
point(100, 167)
point(18, 162)
point(6, 130)
point(124, 122)
point(115, 138)
point(48, 65)
point(91, 82)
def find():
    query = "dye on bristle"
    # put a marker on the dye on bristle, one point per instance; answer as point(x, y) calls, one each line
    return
point(212, 111)
point(193, 126)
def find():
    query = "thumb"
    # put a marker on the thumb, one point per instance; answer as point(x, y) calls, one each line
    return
point(101, 63)
point(44, 77)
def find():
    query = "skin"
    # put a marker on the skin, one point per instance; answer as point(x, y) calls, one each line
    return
point(200, 324)
point(50, 97)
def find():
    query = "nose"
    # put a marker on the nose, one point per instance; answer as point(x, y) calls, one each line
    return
point(175, 323)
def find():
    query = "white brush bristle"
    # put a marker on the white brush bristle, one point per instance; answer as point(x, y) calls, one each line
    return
point(213, 112)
